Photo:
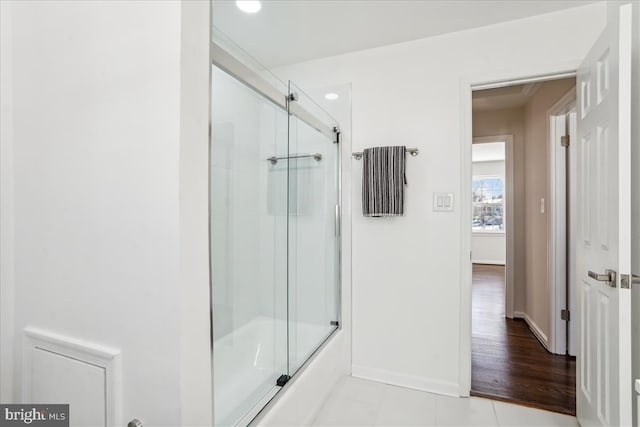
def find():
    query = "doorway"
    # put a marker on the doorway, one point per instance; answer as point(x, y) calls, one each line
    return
point(515, 330)
point(492, 204)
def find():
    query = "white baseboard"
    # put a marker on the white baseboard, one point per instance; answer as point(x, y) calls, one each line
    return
point(534, 328)
point(407, 381)
point(489, 262)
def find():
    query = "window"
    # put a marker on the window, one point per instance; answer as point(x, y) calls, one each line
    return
point(488, 204)
point(488, 187)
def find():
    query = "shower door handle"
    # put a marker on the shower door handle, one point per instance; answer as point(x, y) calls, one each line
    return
point(336, 228)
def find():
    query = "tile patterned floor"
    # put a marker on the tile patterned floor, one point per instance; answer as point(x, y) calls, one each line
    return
point(358, 402)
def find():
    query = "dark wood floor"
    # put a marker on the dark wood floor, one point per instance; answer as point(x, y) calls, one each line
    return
point(508, 362)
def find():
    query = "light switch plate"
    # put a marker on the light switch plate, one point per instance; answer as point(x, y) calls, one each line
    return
point(443, 202)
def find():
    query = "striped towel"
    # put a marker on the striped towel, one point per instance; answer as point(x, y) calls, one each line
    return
point(383, 181)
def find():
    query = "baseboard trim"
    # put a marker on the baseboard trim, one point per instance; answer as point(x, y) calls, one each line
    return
point(487, 262)
point(537, 332)
point(407, 381)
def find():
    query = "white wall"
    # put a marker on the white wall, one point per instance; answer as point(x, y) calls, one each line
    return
point(406, 271)
point(489, 248)
point(98, 184)
point(195, 336)
point(6, 205)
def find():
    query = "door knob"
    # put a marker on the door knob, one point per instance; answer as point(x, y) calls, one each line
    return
point(609, 277)
point(626, 280)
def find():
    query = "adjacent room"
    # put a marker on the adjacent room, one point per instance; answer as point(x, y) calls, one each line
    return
point(521, 166)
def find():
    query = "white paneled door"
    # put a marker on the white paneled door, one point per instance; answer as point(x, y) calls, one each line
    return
point(604, 381)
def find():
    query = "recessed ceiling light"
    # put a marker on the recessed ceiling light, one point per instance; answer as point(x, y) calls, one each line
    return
point(249, 6)
point(331, 96)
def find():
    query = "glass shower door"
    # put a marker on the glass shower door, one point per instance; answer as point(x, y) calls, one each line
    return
point(274, 240)
point(313, 280)
point(248, 247)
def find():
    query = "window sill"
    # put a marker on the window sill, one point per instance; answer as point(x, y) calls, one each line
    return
point(488, 233)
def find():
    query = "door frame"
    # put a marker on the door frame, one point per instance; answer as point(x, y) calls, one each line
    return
point(557, 230)
point(546, 72)
point(509, 217)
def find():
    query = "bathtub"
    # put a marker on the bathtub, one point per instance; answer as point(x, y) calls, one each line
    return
point(249, 360)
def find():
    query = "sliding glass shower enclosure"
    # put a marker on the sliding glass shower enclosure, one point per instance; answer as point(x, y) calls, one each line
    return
point(274, 225)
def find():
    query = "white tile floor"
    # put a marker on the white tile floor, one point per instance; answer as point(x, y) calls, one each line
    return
point(358, 402)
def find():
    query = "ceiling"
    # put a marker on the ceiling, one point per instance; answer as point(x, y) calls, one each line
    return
point(503, 97)
point(291, 31)
point(508, 96)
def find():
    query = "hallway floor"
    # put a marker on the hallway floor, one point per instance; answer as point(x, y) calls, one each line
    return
point(508, 362)
point(358, 402)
